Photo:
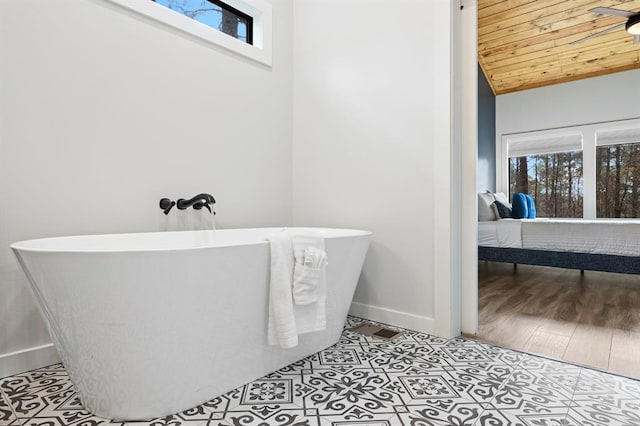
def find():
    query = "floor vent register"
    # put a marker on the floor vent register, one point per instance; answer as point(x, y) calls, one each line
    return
point(376, 331)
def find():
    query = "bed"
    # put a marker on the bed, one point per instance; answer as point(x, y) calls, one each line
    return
point(608, 245)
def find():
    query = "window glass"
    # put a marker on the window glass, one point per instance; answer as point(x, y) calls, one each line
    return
point(618, 180)
point(215, 14)
point(553, 180)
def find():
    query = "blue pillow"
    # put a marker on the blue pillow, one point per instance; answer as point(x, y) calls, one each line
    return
point(531, 207)
point(519, 208)
point(504, 212)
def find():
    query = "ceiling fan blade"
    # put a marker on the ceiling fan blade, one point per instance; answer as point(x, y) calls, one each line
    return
point(614, 12)
point(598, 34)
point(636, 39)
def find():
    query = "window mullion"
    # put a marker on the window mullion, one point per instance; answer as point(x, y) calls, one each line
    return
point(589, 174)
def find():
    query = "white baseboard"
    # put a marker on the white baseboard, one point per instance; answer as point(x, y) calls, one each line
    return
point(28, 359)
point(391, 317)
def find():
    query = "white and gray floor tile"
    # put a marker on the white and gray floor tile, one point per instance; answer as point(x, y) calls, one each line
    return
point(7, 416)
point(413, 380)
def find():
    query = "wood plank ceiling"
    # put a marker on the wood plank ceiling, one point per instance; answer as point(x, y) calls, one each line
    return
point(523, 44)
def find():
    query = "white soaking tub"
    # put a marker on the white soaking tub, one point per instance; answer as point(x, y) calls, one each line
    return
point(151, 324)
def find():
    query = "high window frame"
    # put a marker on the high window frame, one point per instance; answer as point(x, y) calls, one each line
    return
point(248, 19)
point(259, 10)
point(589, 135)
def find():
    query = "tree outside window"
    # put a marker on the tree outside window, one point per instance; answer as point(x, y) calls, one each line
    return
point(618, 181)
point(554, 181)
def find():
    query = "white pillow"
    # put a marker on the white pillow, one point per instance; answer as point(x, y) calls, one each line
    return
point(500, 196)
point(485, 212)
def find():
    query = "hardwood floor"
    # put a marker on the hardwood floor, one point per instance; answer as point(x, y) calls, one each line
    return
point(591, 319)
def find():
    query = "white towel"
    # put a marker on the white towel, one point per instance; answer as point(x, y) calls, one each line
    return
point(307, 275)
point(312, 316)
point(282, 324)
point(286, 321)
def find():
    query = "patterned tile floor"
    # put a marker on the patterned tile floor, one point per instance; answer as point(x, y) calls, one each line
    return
point(415, 380)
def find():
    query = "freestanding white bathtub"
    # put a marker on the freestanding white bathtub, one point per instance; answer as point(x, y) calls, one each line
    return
point(152, 324)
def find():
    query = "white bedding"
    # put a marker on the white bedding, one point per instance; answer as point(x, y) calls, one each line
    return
point(500, 233)
point(620, 237)
point(487, 236)
point(604, 236)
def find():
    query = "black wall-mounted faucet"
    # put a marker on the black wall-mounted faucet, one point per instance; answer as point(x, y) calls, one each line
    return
point(198, 202)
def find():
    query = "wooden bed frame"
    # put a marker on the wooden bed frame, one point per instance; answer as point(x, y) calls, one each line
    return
point(569, 260)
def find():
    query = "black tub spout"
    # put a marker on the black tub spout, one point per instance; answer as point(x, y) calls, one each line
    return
point(198, 202)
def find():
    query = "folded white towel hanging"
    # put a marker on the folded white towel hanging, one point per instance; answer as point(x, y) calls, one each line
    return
point(281, 328)
point(310, 316)
point(307, 275)
point(287, 320)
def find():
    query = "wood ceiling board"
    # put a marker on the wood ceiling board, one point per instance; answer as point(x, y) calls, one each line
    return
point(488, 8)
point(526, 44)
point(553, 14)
point(581, 30)
point(561, 54)
point(542, 25)
point(601, 52)
point(552, 47)
point(604, 63)
point(531, 11)
point(533, 82)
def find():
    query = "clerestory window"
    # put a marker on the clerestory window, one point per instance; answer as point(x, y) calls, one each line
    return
point(243, 27)
point(215, 14)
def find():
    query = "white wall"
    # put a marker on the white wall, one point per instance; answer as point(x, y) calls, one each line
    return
point(372, 145)
point(593, 100)
point(102, 113)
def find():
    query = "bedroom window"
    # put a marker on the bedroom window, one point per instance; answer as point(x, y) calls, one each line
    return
point(553, 180)
point(586, 171)
point(548, 167)
point(618, 173)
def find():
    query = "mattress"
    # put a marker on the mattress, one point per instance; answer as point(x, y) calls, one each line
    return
point(605, 236)
point(504, 233)
point(619, 237)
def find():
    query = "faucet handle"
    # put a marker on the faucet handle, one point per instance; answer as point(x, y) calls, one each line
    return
point(166, 205)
